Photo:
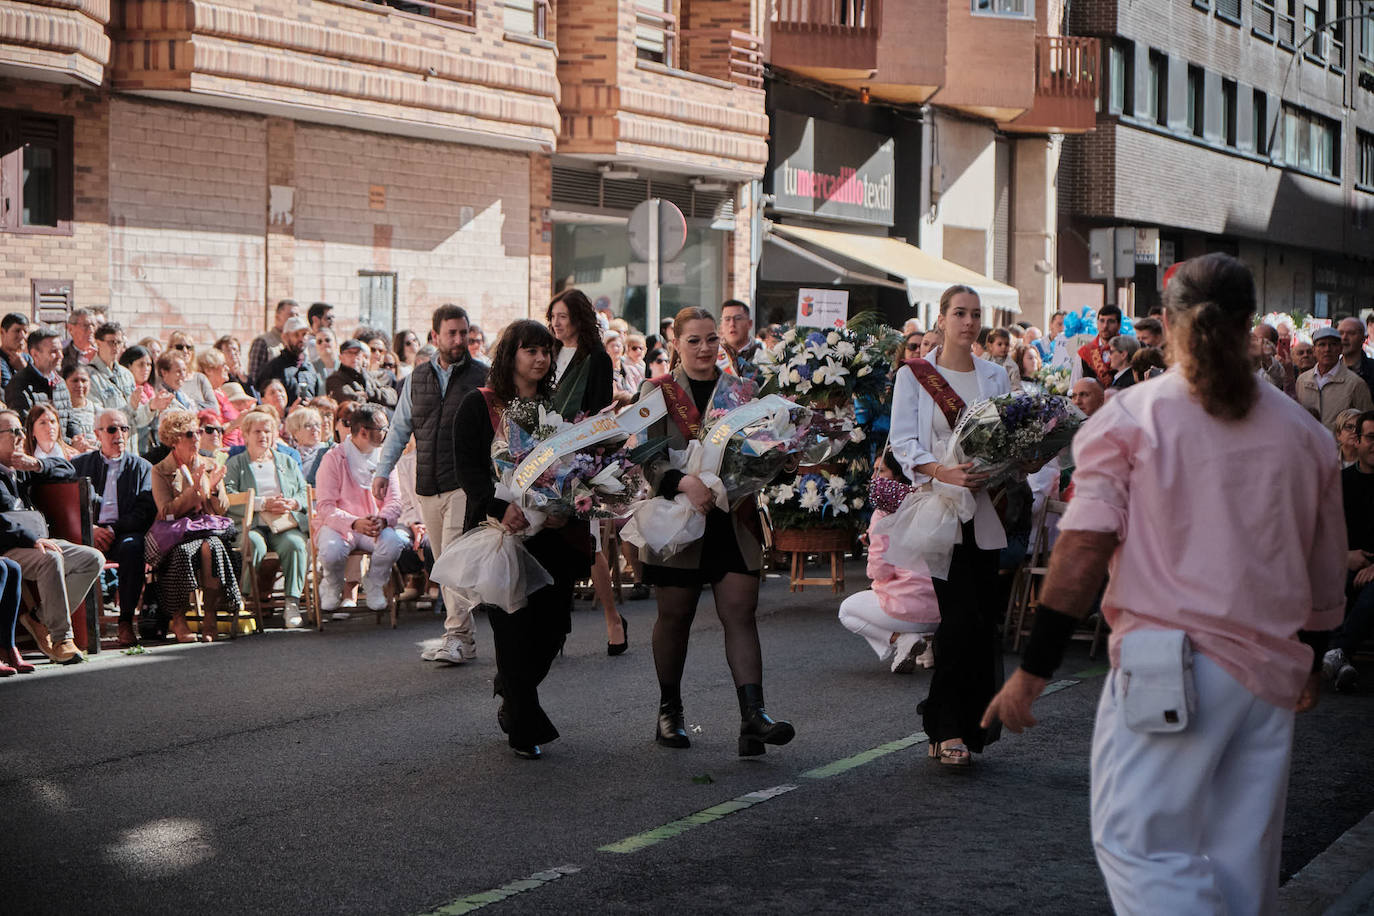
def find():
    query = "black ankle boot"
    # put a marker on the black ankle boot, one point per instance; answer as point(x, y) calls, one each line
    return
point(672, 728)
point(756, 727)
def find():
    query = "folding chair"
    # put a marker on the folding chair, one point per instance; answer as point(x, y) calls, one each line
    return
point(1030, 577)
point(361, 558)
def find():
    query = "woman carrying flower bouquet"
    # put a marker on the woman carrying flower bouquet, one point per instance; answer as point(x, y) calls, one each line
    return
point(527, 640)
point(929, 397)
point(581, 359)
point(729, 556)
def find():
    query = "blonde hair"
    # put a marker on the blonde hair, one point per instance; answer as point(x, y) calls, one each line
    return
point(295, 420)
point(182, 337)
point(208, 359)
point(175, 424)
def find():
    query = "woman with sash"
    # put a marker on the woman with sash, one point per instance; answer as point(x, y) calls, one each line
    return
point(929, 397)
point(580, 359)
point(728, 558)
point(527, 640)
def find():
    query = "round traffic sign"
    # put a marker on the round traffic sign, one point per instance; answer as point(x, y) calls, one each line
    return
point(672, 230)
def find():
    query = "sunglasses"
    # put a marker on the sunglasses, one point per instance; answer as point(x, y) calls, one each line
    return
point(389, 364)
point(116, 429)
point(190, 434)
point(183, 347)
point(212, 430)
point(913, 346)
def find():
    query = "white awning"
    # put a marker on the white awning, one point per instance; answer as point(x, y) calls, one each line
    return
point(925, 276)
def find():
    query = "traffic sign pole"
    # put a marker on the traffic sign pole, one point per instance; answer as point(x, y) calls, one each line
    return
point(652, 305)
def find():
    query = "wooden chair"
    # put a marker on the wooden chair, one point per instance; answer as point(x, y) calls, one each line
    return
point(361, 557)
point(266, 599)
point(1030, 576)
point(66, 504)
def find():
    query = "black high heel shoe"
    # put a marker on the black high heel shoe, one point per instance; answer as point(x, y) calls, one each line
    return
point(618, 648)
point(672, 727)
point(756, 727)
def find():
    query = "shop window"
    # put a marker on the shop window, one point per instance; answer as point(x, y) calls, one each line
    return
point(1023, 9)
point(35, 173)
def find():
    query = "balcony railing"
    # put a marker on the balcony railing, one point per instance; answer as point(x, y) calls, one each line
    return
point(834, 16)
point(457, 12)
point(726, 54)
point(655, 35)
point(1066, 66)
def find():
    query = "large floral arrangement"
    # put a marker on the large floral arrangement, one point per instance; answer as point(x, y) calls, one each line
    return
point(816, 499)
point(812, 366)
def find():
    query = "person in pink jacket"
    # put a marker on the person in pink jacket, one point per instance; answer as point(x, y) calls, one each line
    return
point(347, 515)
point(899, 614)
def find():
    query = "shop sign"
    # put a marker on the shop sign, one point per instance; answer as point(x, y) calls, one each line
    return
point(832, 171)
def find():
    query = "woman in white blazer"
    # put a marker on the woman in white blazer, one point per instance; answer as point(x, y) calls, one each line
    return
point(967, 654)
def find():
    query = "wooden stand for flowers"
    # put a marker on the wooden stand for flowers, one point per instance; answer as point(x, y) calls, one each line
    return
point(832, 542)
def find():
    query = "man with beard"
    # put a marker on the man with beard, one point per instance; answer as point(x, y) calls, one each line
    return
point(429, 401)
point(291, 367)
point(1094, 360)
point(13, 329)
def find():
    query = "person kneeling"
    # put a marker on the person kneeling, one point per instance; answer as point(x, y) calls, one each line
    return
point(348, 517)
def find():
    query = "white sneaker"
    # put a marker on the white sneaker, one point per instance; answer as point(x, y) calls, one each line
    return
point(291, 614)
point(340, 615)
point(350, 602)
point(927, 658)
point(451, 652)
point(908, 647)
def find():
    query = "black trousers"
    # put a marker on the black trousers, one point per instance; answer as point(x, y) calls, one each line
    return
point(1359, 617)
point(127, 551)
point(968, 657)
point(526, 644)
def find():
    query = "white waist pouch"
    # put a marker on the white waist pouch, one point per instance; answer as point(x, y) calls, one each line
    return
point(1157, 690)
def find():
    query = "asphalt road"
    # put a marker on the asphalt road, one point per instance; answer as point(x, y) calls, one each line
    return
point(337, 773)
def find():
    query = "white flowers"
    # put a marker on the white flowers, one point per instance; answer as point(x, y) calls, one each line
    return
point(811, 499)
point(863, 370)
point(832, 373)
point(783, 492)
point(857, 434)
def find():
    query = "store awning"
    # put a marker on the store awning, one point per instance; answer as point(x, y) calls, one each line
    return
point(925, 275)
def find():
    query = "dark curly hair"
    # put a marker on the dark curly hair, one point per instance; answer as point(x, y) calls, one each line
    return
point(583, 319)
point(519, 334)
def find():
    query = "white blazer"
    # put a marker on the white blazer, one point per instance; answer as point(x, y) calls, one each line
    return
point(912, 438)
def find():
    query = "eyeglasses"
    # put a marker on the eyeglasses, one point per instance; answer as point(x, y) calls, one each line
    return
point(212, 430)
point(378, 429)
point(16, 432)
point(190, 434)
point(310, 426)
point(1347, 427)
point(116, 429)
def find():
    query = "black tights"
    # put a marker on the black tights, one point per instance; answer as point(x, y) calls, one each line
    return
point(737, 598)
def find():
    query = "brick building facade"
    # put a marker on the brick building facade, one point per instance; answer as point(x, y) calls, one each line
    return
point(1222, 128)
point(382, 157)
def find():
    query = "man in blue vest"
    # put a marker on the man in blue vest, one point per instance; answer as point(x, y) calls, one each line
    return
point(426, 408)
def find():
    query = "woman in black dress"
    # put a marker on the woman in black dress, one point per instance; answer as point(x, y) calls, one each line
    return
point(580, 358)
point(729, 557)
point(527, 640)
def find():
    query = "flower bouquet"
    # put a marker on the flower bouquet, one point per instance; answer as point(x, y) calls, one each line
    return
point(1053, 379)
point(739, 452)
point(1002, 436)
point(820, 367)
point(546, 466)
point(814, 500)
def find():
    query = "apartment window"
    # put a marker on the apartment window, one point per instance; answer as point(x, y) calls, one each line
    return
point(1228, 112)
point(35, 173)
point(1020, 8)
point(1120, 82)
point(1365, 30)
point(1365, 177)
point(1157, 99)
point(1310, 142)
point(1196, 101)
point(526, 17)
point(655, 31)
point(1261, 107)
point(377, 299)
point(1228, 10)
point(1312, 21)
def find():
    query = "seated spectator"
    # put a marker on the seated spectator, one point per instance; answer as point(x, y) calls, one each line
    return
point(290, 368)
point(153, 346)
point(343, 418)
point(1147, 362)
point(77, 378)
point(233, 363)
point(14, 329)
point(1329, 387)
point(1348, 436)
point(379, 347)
point(279, 445)
point(80, 349)
point(241, 402)
point(212, 367)
point(305, 427)
point(145, 402)
point(425, 354)
point(111, 383)
point(63, 572)
point(634, 359)
point(348, 517)
point(274, 395)
point(930, 341)
point(172, 375)
point(11, 584)
point(40, 382)
point(353, 382)
point(123, 509)
point(44, 434)
point(184, 485)
point(211, 444)
point(195, 386)
point(899, 615)
point(1120, 352)
point(279, 520)
point(326, 359)
point(1357, 493)
point(327, 407)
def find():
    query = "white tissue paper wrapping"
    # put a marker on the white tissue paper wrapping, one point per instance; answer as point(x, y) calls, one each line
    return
point(666, 526)
point(489, 565)
point(929, 523)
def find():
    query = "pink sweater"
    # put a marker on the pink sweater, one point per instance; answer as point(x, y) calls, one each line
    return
point(339, 502)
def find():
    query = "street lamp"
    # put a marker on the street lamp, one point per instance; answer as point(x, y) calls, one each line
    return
point(1297, 52)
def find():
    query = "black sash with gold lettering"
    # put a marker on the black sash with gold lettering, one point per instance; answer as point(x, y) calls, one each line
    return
point(682, 410)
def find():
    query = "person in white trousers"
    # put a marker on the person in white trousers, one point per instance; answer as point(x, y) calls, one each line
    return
point(1219, 605)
